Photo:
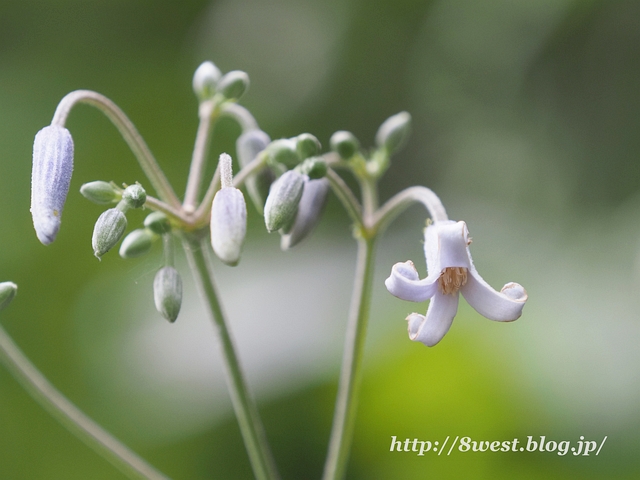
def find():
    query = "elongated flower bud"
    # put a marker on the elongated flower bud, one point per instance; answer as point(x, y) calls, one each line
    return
point(107, 231)
point(99, 192)
point(50, 179)
point(233, 84)
point(314, 197)
point(8, 290)
point(137, 243)
point(248, 146)
point(228, 224)
point(167, 292)
point(282, 203)
point(394, 131)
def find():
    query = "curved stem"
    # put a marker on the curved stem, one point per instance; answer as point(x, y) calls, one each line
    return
point(240, 115)
point(350, 376)
point(399, 202)
point(52, 400)
point(346, 196)
point(207, 113)
point(126, 128)
point(243, 404)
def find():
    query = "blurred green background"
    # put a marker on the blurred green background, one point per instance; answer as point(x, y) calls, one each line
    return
point(526, 123)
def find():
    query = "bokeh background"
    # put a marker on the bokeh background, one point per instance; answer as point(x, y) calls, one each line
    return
point(526, 123)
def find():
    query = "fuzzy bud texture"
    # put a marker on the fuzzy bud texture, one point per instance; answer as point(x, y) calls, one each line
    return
point(167, 292)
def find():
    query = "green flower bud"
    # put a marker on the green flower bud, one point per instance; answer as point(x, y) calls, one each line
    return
point(158, 223)
point(8, 290)
point(283, 199)
point(137, 243)
point(134, 196)
point(307, 145)
point(344, 144)
point(167, 293)
point(314, 168)
point(107, 231)
point(233, 84)
point(309, 212)
point(205, 80)
point(394, 131)
point(100, 192)
point(228, 224)
point(284, 151)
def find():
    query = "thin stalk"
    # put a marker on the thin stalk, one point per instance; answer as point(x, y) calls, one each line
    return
point(407, 197)
point(126, 128)
point(52, 400)
point(208, 114)
point(246, 412)
point(351, 374)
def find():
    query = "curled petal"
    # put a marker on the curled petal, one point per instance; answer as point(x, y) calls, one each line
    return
point(405, 283)
point(430, 329)
point(503, 306)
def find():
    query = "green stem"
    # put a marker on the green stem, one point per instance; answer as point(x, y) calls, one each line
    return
point(246, 412)
point(139, 148)
point(52, 400)
point(350, 376)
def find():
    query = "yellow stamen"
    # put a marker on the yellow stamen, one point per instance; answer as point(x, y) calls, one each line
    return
point(451, 279)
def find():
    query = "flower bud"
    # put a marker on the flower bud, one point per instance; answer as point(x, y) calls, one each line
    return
point(205, 80)
point(8, 290)
point(137, 243)
point(248, 146)
point(107, 231)
point(228, 224)
point(134, 196)
point(344, 144)
point(158, 223)
point(394, 131)
point(233, 84)
point(99, 192)
point(314, 197)
point(307, 145)
point(167, 293)
point(284, 151)
point(314, 167)
point(283, 200)
point(50, 179)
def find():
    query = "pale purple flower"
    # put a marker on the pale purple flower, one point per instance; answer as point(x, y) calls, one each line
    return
point(50, 179)
point(450, 272)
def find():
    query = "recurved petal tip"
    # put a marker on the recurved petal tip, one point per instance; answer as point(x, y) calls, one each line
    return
point(50, 179)
point(503, 306)
point(405, 283)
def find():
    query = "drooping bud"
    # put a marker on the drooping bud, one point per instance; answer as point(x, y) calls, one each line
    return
point(205, 80)
point(100, 192)
point(107, 231)
point(314, 197)
point(228, 217)
point(233, 84)
point(394, 131)
point(283, 199)
point(248, 146)
point(167, 292)
point(344, 144)
point(8, 290)
point(158, 223)
point(284, 151)
point(137, 243)
point(307, 145)
point(50, 179)
point(134, 196)
point(314, 168)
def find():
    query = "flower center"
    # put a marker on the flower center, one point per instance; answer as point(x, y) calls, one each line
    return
point(451, 279)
